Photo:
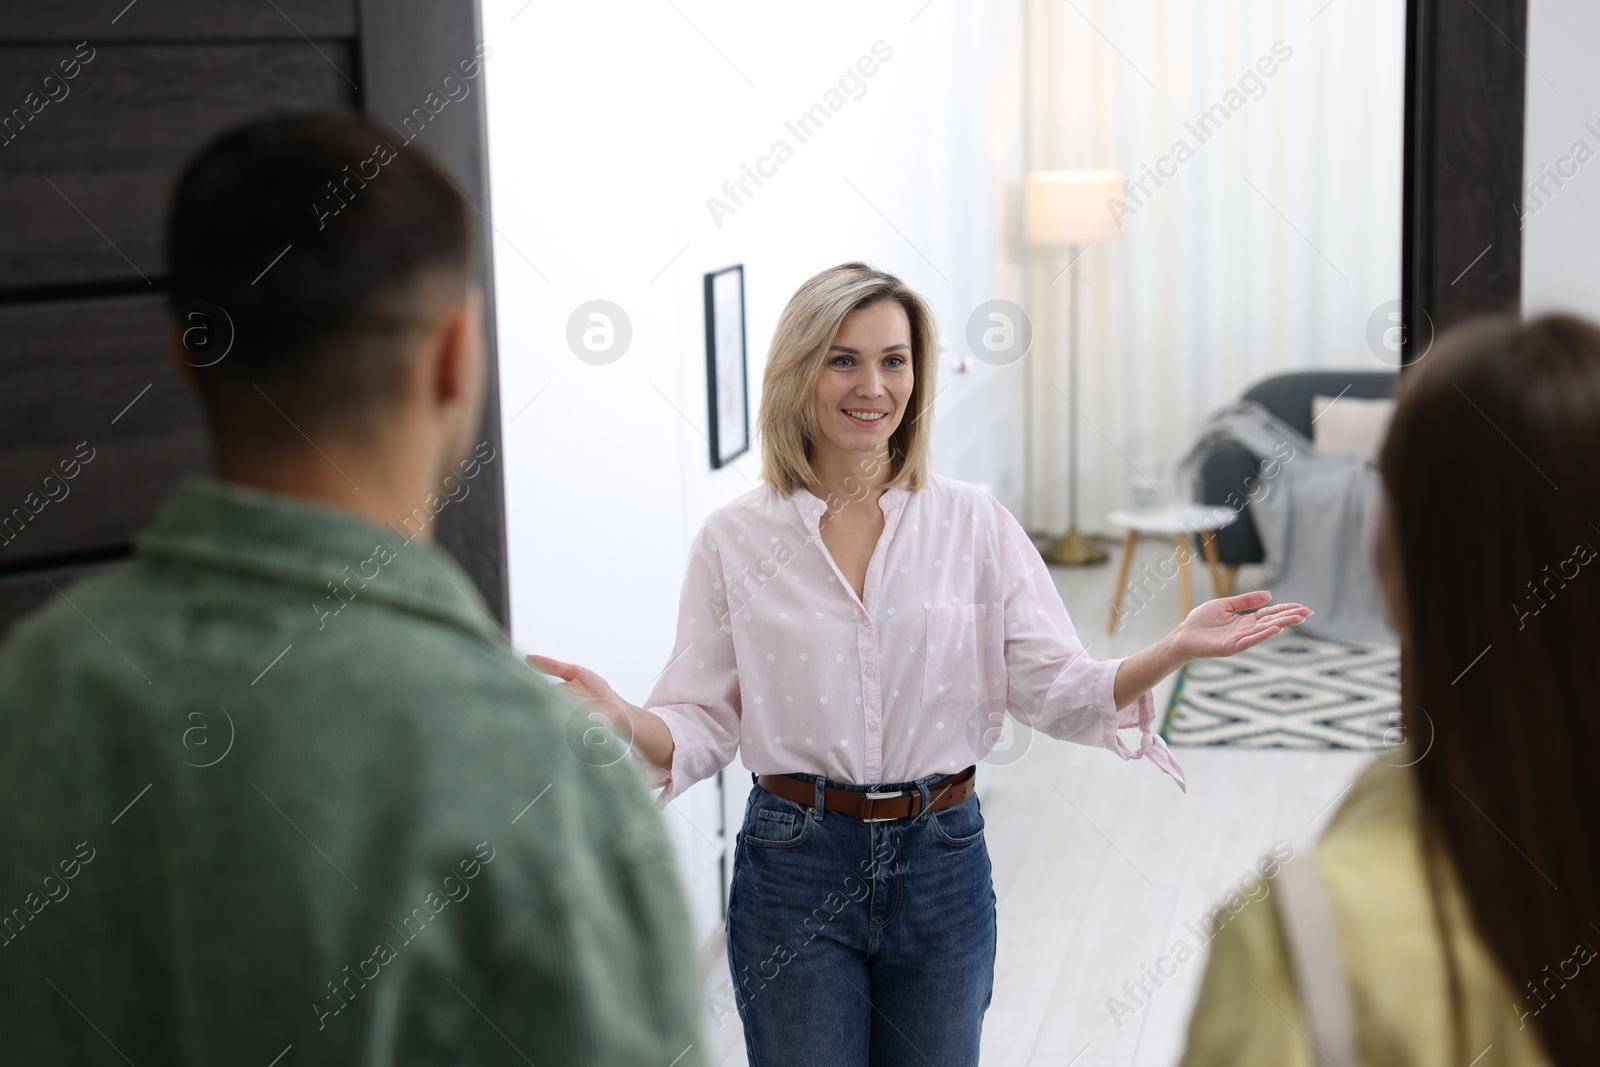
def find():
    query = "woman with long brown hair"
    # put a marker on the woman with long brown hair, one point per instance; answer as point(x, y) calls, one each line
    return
point(1460, 878)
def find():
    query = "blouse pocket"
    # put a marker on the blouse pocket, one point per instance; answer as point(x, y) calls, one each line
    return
point(964, 659)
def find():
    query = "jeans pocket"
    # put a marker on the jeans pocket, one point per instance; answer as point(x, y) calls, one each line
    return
point(772, 821)
point(959, 826)
point(965, 656)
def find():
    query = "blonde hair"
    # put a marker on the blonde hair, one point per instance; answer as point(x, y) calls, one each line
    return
point(798, 356)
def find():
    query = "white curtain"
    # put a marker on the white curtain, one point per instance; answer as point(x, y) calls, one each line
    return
point(1267, 249)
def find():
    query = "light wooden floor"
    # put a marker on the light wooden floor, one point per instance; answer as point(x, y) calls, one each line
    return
point(1099, 864)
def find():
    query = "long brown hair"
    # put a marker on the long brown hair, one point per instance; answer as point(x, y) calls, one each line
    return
point(1492, 476)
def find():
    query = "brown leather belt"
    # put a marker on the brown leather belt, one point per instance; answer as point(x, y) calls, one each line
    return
point(874, 807)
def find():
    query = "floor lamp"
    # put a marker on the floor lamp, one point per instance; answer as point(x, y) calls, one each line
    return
point(1069, 207)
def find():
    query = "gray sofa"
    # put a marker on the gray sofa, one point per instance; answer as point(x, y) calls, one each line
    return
point(1225, 472)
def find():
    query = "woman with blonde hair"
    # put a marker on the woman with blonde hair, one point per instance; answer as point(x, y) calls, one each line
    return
point(854, 629)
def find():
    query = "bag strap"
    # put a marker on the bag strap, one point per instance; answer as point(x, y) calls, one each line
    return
point(1312, 938)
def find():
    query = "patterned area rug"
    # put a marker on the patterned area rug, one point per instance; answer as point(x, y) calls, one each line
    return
point(1294, 691)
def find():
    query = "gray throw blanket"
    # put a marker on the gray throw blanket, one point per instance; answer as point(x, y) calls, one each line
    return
point(1315, 515)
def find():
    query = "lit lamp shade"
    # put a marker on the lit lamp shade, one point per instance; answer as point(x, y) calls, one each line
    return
point(1069, 207)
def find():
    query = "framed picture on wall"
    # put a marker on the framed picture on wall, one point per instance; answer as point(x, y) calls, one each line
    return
point(726, 385)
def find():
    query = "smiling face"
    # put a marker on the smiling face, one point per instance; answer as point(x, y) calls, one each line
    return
point(866, 384)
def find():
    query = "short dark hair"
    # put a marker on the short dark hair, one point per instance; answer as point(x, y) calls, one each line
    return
point(310, 250)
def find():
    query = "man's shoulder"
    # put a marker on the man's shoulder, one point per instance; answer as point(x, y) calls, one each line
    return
point(453, 697)
point(66, 617)
point(410, 713)
point(490, 718)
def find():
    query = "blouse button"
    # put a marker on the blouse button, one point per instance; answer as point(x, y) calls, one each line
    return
point(871, 672)
point(872, 726)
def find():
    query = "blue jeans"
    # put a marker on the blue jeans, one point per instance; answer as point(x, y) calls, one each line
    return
point(861, 943)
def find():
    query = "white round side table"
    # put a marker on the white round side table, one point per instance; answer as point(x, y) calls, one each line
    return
point(1179, 522)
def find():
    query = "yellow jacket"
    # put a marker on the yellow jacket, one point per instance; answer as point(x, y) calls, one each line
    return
point(1370, 862)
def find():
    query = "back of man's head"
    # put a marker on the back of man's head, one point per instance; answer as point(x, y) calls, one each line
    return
point(307, 258)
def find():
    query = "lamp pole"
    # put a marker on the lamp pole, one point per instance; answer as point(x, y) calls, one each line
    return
point(1074, 548)
point(1072, 392)
point(1071, 209)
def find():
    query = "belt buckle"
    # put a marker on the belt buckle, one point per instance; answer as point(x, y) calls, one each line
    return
point(883, 796)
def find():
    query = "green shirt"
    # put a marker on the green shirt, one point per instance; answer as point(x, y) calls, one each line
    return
point(280, 781)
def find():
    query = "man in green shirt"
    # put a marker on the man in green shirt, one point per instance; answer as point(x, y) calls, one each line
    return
point(278, 790)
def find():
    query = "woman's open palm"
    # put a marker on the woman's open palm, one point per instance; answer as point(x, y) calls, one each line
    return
point(1214, 629)
point(584, 684)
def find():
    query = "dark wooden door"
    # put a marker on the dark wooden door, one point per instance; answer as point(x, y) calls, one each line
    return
point(100, 103)
point(1461, 234)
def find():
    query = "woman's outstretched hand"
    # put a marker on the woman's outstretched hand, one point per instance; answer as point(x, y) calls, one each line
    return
point(1210, 630)
point(585, 685)
point(1213, 629)
point(640, 728)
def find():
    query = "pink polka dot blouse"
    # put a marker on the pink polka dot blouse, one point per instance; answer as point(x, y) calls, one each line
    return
point(778, 660)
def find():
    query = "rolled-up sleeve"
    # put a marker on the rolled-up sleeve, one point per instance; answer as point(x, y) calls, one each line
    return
point(1052, 683)
point(697, 695)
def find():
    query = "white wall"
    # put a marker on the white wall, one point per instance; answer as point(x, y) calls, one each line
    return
point(609, 126)
point(1561, 206)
